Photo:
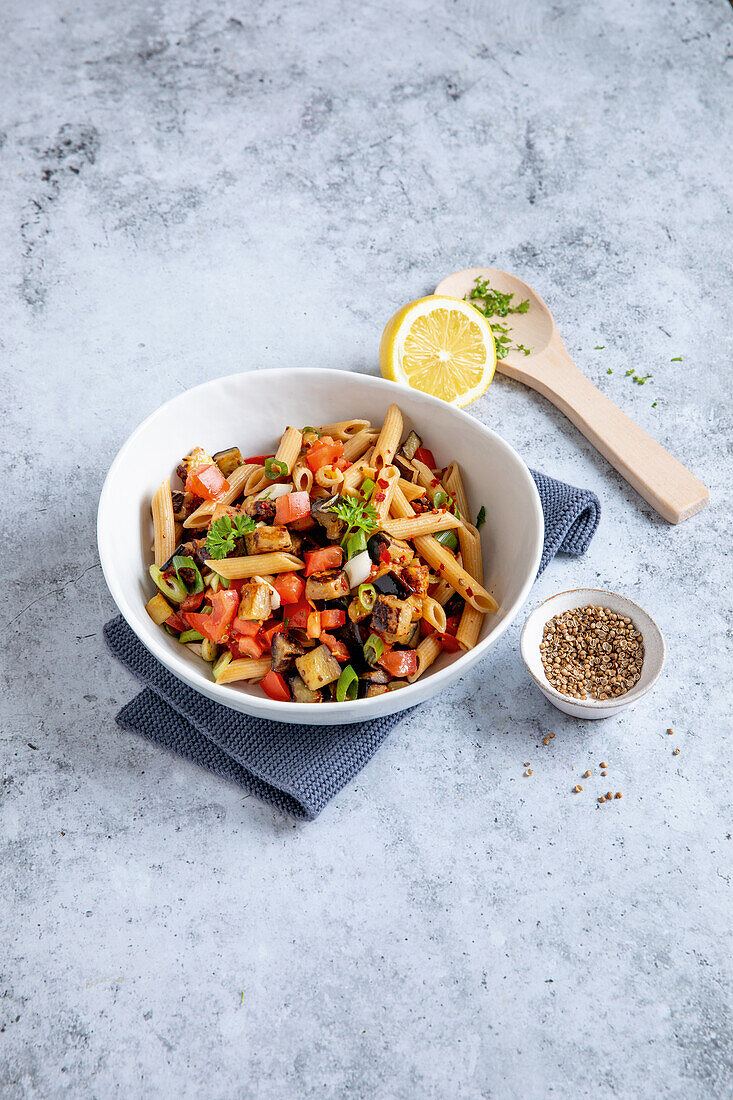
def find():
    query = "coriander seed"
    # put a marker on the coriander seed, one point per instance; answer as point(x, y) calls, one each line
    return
point(591, 651)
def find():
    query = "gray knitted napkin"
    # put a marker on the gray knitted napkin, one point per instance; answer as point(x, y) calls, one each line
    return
point(296, 768)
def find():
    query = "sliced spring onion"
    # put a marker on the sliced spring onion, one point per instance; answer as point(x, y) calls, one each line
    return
point(218, 582)
point(221, 663)
point(373, 649)
point(274, 468)
point(208, 650)
point(367, 488)
point(481, 517)
point(190, 636)
point(358, 569)
point(441, 499)
point(356, 544)
point(170, 586)
point(273, 492)
point(367, 596)
point(447, 539)
point(309, 428)
point(347, 685)
point(179, 562)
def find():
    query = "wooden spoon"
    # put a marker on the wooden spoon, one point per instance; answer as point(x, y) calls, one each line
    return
point(653, 472)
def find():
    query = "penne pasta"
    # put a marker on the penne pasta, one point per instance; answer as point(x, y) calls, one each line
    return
point(249, 566)
point(387, 481)
point(289, 448)
point(302, 477)
point(471, 619)
point(345, 429)
point(237, 481)
point(453, 483)
point(426, 524)
point(434, 614)
point(358, 444)
point(389, 438)
point(246, 668)
point(443, 562)
point(426, 478)
point(355, 474)
point(426, 652)
point(256, 481)
point(443, 593)
point(328, 477)
point(164, 525)
point(411, 491)
point(401, 508)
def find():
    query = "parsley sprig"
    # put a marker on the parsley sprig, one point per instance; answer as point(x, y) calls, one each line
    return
point(357, 515)
point(496, 303)
point(224, 532)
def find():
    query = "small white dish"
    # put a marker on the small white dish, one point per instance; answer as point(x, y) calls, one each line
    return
point(654, 650)
point(251, 410)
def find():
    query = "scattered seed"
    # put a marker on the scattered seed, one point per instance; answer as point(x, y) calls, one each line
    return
point(545, 740)
point(586, 775)
point(604, 773)
point(528, 771)
point(592, 651)
point(602, 798)
point(618, 794)
point(603, 764)
point(675, 752)
point(609, 796)
point(526, 763)
point(551, 735)
point(670, 731)
point(577, 788)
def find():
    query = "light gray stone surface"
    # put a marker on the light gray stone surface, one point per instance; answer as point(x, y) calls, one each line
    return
point(191, 189)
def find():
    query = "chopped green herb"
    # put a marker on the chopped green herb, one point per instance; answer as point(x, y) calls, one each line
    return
point(275, 468)
point(600, 347)
point(654, 405)
point(224, 532)
point(357, 515)
point(609, 371)
point(677, 359)
point(629, 372)
point(495, 303)
point(641, 379)
point(481, 517)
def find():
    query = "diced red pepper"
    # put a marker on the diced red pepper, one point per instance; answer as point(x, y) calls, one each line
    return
point(215, 627)
point(422, 454)
point(449, 643)
point(343, 464)
point(175, 622)
point(249, 627)
point(451, 624)
point(337, 647)
point(324, 452)
point(318, 561)
point(399, 662)
point(274, 685)
point(332, 619)
point(249, 647)
point(258, 460)
point(268, 632)
point(426, 628)
point(292, 507)
point(208, 483)
point(313, 626)
point(289, 587)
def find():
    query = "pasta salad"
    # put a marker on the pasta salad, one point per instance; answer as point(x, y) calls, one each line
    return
point(338, 567)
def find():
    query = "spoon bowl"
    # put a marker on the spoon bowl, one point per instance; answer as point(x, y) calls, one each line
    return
point(656, 475)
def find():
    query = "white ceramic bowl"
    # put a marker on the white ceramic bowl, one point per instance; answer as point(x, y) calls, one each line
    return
point(654, 651)
point(251, 411)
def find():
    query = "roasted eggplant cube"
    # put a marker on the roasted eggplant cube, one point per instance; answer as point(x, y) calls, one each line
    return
point(415, 577)
point(318, 668)
point(411, 444)
point(302, 693)
point(391, 615)
point(331, 585)
point(265, 540)
point(228, 460)
point(322, 512)
point(376, 689)
point(263, 511)
point(255, 601)
point(375, 676)
point(284, 651)
point(389, 584)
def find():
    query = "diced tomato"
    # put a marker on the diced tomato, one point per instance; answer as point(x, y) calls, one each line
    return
point(258, 460)
point(289, 587)
point(449, 643)
point(451, 624)
point(215, 627)
point(298, 614)
point(343, 464)
point(175, 622)
point(426, 628)
point(208, 482)
point(292, 507)
point(324, 452)
point(274, 686)
point(422, 454)
point(249, 647)
point(191, 603)
point(384, 556)
point(338, 648)
point(249, 627)
point(313, 626)
point(400, 662)
point(318, 561)
point(332, 620)
point(268, 632)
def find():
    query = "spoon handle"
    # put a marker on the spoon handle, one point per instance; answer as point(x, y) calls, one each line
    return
point(656, 475)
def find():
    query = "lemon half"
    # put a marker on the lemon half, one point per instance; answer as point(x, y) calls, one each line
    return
point(441, 346)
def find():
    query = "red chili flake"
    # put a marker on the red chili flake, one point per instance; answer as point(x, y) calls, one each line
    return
point(380, 496)
point(384, 557)
point(441, 567)
point(469, 592)
point(382, 484)
point(435, 481)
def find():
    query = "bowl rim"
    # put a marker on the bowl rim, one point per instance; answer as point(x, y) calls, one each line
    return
point(630, 697)
point(358, 709)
